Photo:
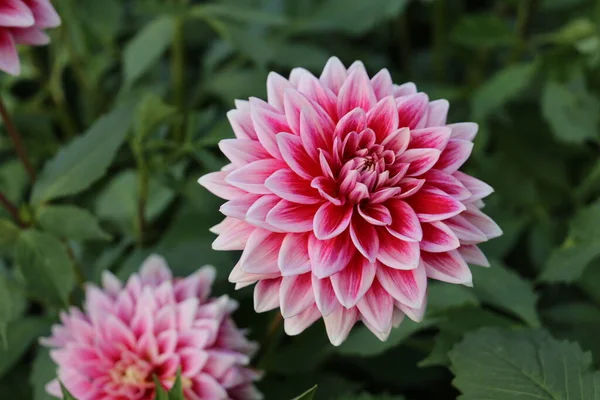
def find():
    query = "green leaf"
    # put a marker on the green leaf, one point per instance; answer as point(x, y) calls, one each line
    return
point(12, 304)
point(71, 222)
point(146, 48)
point(44, 370)
point(572, 115)
point(500, 89)
point(504, 365)
point(482, 31)
point(46, 267)
point(161, 393)
point(369, 396)
point(308, 395)
point(443, 296)
point(20, 335)
point(505, 289)
point(85, 159)
point(575, 30)
point(176, 392)
point(66, 394)
point(9, 233)
point(150, 113)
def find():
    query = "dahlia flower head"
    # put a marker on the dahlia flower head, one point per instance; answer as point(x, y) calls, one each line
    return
point(23, 22)
point(345, 195)
point(153, 326)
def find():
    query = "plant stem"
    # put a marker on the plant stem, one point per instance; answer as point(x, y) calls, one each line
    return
point(525, 14)
point(178, 76)
point(439, 38)
point(16, 139)
point(12, 210)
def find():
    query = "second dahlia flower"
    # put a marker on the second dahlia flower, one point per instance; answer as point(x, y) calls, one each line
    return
point(153, 326)
point(345, 195)
point(23, 22)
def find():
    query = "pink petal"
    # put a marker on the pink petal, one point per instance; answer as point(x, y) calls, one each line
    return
point(206, 387)
point(382, 84)
point(289, 186)
point(397, 253)
point(292, 217)
point(330, 256)
point(405, 89)
point(315, 133)
point(33, 36)
point(215, 183)
point(328, 189)
point(465, 231)
point(310, 86)
point(339, 323)
point(473, 255)
point(477, 188)
point(407, 287)
point(252, 177)
point(383, 118)
point(385, 194)
point(243, 151)
point(397, 141)
point(293, 256)
point(434, 206)
point(266, 295)
point(9, 59)
point(405, 223)
point(421, 160)
point(416, 314)
point(295, 104)
point(437, 113)
point(429, 138)
point(155, 270)
point(356, 92)
point(276, 86)
point(484, 223)
point(351, 283)
point(238, 207)
point(258, 212)
point(268, 124)
point(331, 220)
point(334, 75)
point(234, 237)
point(464, 130)
point(44, 14)
point(447, 267)
point(294, 154)
point(448, 184)
point(411, 109)
point(324, 295)
point(438, 237)
point(241, 123)
point(375, 214)
point(296, 294)
point(15, 14)
point(410, 186)
point(377, 308)
point(354, 121)
point(364, 236)
point(298, 323)
point(261, 252)
point(455, 155)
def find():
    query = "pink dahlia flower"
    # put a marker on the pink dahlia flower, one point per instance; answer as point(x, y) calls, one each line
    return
point(344, 195)
point(23, 22)
point(153, 326)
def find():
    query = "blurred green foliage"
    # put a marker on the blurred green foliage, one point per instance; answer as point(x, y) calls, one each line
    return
point(122, 112)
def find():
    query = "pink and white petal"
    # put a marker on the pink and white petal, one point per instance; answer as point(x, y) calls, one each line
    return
point(44, 14)
point(295, 103)
point(266, 295)
point(331, 220)
point(330, 256)
point(258, 212)
point(324, 295)
point(437, 113)
point(411, 109)
point(421, 160)
point(351, 283)
point(375, 214)
point(456, 153)
point(296, 74)
point(430, 138)
point(484, 223)
point(465, 231)
point(438, 238)
point(397, 318)
point(476, 187)
point(383, 118)
point(353, 121)
point(267, 125)
point(32, 36)
point(405, 223)
point(294, 154)
point(365, 238)
point(397, 141)
point(276, 86)
point(377, 308)
point(292, 217)
point(447, 267)
point(407, 287)
point(434, 205)
point(261, 252)
point(293, 256)
point(234, 237)
point(215, 183)
point(410, 186)
point(289, 186)
point(334, 75)
point(310, 86)
point(382, 195)
point(328, 189)
point(382, 84)
point(295, 294)
point(241, 123)
point(243, 151)
point(15, 14)
point(251, 177)
point(339, 324)
point(397, 253)
point(111, 284)
point(9, 59)
point(448, 184)
point(299, 323)
point(416, 314)
point(206, 387)
point(315, 133)
point(464, 130)
point(356, 92)
point(155, 270)
point(405, 89)
point(383, 336)
point(238, 207)
point(473, 255)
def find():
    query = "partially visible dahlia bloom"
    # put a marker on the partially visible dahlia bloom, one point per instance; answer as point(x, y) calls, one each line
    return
point(344, 195)
point(23, 22)
point(153, 326)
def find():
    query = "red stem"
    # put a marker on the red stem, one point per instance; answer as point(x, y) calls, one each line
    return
point(16, 139)
point(12, 209)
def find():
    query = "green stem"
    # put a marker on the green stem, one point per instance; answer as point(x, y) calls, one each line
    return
point(439, 38)
point(178, 77)
point(525, 15)
point(16, 139)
